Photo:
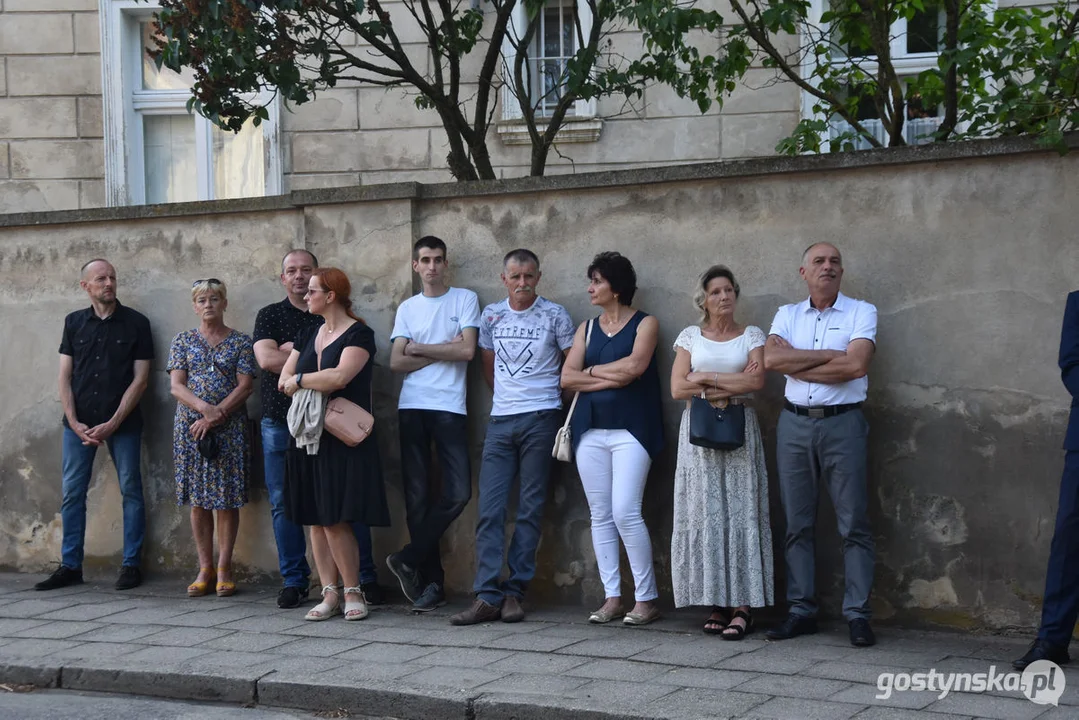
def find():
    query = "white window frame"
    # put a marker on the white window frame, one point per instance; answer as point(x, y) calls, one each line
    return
point(125, 104)
point(581, 124)
point(906, 65)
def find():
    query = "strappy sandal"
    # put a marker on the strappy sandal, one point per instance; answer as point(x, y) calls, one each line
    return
point(226, 588)
point(737, 632)
point(355, 610)
point(199, 588)
point(717, 622)
point(325, 611)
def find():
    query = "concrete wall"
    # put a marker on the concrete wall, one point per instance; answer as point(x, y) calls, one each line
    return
point(967, 251)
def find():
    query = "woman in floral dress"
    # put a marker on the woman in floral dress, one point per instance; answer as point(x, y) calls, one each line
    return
point(212, 369)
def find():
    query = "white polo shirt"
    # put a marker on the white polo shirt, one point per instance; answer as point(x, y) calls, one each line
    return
point(807, 328)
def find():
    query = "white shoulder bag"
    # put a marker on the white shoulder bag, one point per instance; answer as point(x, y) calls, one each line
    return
point(563, 440)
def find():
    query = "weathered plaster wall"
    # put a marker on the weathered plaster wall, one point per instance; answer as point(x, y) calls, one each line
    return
point(968, 264)
point(967, 259)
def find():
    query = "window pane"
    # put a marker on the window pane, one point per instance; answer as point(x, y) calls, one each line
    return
point(160, 79)
point(238, 162)
point(551, 47)
point(923, 31)
point(569, 33)
point(169, 154)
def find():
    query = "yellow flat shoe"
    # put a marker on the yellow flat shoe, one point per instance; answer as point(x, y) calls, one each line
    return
point(200, 588)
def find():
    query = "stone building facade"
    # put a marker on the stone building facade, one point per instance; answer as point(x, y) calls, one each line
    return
point(85, 123)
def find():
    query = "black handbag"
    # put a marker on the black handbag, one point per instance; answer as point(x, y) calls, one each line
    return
point(718, 428)
point(209, 446)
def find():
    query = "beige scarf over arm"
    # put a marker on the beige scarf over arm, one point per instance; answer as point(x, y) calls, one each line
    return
point(305, 417)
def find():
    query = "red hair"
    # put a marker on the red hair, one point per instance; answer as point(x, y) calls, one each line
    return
point(335, 281)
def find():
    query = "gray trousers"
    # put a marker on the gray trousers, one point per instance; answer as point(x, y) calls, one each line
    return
point(832, 449)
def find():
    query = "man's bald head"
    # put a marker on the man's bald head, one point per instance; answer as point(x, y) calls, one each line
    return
point(97, 265)
point(821, 246)
point(99, 282)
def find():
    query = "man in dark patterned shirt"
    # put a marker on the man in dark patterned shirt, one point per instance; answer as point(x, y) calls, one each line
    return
point(276, 327)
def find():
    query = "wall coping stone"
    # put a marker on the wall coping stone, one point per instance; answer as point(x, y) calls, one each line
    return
point(775, 165)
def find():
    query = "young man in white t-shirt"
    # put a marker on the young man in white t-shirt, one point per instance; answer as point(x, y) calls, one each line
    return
point(524, 340)
point(434, 337)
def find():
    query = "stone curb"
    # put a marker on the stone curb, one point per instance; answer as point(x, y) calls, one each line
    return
point(173, 684)
point(496, 707)
point(45, 676)
point(271, 690)
point(403, 703)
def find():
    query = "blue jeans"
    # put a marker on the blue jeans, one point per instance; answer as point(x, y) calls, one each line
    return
point(515, 444)
point(291, 540)
point(78, 466)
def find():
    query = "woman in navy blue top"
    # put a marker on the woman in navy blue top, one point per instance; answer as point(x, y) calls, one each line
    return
point(617, 430)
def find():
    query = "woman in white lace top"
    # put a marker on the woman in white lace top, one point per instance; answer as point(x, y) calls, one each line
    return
point(721, 547)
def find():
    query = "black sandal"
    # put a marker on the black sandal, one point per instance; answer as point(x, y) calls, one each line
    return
point(717, 622)
point(737, 632)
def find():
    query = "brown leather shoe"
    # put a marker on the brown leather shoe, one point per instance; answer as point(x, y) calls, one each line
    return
point(480, 612)
point(511, 610)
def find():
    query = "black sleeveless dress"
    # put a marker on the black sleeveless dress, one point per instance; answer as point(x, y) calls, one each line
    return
point(340, 483)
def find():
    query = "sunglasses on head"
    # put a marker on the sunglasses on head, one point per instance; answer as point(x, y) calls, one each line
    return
point(211, 281)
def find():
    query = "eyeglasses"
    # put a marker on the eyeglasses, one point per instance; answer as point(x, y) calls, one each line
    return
point(208, 281)
point(316, 290)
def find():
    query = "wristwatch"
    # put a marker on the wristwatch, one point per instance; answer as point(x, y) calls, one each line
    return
point(299, 380)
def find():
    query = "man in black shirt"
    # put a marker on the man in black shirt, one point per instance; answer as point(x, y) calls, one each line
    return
point(276, 327)
point(105, 355)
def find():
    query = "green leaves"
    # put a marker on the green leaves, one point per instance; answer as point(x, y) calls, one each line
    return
point(1000, 71)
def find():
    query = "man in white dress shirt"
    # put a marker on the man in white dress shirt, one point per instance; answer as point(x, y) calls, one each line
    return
point(824, 345)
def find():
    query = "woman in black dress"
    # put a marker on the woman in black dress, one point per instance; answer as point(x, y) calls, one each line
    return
point(340, 484)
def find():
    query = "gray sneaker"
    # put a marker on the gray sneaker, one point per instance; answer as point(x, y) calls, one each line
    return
point(433, 597)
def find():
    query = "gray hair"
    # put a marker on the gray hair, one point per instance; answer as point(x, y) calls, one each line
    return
point(820, 242)
point(521, 256)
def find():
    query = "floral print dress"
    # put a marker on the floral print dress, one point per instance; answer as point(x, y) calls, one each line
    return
point(221, 483)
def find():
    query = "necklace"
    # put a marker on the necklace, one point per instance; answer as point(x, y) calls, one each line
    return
point(614, 328)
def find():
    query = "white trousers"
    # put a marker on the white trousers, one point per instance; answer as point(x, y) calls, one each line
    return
point(613, 467)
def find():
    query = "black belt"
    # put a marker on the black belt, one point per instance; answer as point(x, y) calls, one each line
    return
point(820, 411)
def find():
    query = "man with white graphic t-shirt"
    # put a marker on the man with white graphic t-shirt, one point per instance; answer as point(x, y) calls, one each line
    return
point(434, 338)
point(523, 341)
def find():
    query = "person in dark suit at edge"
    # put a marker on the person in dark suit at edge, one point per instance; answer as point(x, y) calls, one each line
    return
point(1060, 607)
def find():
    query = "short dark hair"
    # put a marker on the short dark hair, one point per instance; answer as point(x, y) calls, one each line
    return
point(617, 270)
point(521, 255)
point(431, 243)
point(293, 251)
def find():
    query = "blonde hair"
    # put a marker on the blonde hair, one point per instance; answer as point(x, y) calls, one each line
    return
point(209, 285)
point(716, 271)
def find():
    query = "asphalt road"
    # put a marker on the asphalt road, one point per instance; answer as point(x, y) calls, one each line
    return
point(64, 705)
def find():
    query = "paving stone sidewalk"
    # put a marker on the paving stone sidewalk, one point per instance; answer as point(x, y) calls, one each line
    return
point(154, 641)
